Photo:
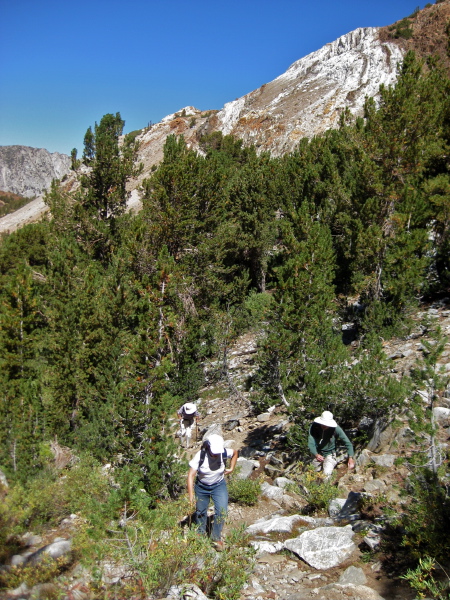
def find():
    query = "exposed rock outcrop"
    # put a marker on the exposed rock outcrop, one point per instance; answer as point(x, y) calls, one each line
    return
point(311, 95)
point(29, 171)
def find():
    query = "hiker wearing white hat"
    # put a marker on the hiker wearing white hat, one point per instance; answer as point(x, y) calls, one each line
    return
point(322, 443)
point(206, 481)
point(187, 415)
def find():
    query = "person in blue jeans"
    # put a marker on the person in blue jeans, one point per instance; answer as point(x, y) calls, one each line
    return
point(206, 481)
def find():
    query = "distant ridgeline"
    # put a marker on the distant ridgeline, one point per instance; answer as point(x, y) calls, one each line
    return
point(29, 171)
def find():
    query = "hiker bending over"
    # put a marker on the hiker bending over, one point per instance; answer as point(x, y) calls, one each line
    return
point(187, 415)
point(206, 480)
point(322, 443)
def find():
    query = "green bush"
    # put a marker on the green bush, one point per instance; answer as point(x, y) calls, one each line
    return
point(427, 516)
point(403, 29)
point(51, 496)
point(422, 580)
point(243, 491)
point(317, 491)
point(46, 570)
point(161, 554)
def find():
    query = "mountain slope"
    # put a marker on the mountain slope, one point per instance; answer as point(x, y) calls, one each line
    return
point(304, 101)
point(310, 96)
point(28, 171)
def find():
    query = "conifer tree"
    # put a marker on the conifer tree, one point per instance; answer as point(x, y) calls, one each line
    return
point(298, 341)
point(22, 350)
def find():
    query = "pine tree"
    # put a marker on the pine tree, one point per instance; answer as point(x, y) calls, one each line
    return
point(300, 332)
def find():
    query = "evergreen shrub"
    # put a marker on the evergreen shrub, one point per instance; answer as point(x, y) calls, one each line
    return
point(244, 491)
point(315, 489)
point(423, 581)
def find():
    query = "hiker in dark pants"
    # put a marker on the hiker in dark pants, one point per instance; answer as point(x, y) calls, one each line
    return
point(206, 479)
point(322, 443)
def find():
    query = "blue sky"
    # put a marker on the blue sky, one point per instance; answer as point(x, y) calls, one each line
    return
point(63, 65)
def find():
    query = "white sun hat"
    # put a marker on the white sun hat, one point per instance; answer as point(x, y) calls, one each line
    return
point(190, 408)
point(326, 418)
point(215, 443)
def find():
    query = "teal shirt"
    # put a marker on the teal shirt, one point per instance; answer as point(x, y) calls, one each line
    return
point(321, 443)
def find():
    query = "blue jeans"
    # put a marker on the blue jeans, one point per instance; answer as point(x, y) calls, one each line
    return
point(218, 493)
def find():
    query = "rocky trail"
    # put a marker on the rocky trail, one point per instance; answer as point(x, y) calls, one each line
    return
point(299, 555)
point(337, 555)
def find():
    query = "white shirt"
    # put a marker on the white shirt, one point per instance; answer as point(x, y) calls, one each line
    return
point(212, 469)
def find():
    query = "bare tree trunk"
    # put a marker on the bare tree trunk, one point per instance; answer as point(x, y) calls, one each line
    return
point(434, 454)
point(279, 386)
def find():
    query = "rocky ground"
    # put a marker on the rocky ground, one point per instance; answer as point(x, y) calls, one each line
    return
point(298, 556)
point(360, 571)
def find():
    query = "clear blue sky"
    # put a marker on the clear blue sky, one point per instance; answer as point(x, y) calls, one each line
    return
point(63, 65)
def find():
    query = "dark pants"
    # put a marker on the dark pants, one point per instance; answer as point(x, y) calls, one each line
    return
point(218, 493)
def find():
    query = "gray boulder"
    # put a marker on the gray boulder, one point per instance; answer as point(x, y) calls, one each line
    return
point(375, 486)
point(271, 471)
point(442, 415)
point(373, 540)
point(364, 458)
point(272, 492)
point(189, 591)
point(54, 550)
point(282, 482)
point(274, 524)
point(244, 468)
point(384, 460)
point(215, 428)
point(230, 424)
point(263, 417)
point(22, 590)
point(317, 521)
point(265, 547)
point(248, 452)
point(350, 510)
point(3, 480)
point(353, 575)
point(335, 506)
point(349, 592)
point(323, 548)
point(382, 436)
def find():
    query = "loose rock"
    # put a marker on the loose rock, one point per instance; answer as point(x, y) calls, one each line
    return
point(323, 548)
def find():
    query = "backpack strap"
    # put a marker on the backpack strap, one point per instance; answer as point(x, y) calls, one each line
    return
point(203, 454)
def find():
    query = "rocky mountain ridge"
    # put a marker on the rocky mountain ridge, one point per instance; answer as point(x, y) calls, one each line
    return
point(304, 101)
point(29, 171)
point(311, 95)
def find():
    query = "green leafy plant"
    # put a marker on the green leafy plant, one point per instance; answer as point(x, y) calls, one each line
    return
point(244, 491)
point(315, 489)
point(422, 580)
point(161, 554)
